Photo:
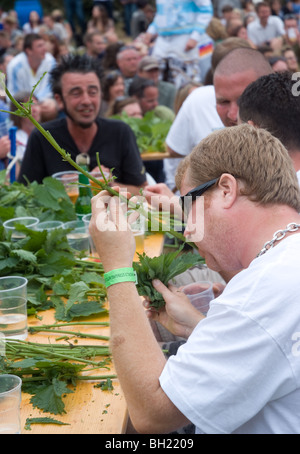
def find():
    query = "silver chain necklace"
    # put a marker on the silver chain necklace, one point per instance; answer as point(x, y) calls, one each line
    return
point(279, 235)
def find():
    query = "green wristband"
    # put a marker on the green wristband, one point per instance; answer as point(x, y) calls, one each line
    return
point(120, 275)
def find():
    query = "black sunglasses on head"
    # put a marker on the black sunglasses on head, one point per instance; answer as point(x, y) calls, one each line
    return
point(187, 199)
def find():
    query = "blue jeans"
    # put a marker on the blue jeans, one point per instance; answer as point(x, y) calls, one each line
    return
point(129, 9)
point(74, 8)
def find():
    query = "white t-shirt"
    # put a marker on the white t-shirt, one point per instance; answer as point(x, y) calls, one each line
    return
point(21, 78)
point(259, 34)
point(196, 119)
point(239, 371)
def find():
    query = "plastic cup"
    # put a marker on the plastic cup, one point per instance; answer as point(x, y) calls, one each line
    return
point(86, 219)
point(78, 237)
point(13, 307)
point(11, 226)
point(98, 176)
point(50, 225)
point(137, 224)
point(10, 401)
point(69, 178)
point(200, 294)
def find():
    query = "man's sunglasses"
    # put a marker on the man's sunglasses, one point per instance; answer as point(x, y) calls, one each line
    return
point(187, 199)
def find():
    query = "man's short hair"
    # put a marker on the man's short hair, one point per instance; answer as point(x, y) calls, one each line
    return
point(139, 85)
point(243, 59)
point(29, 39)
point(271, 104)
point(250, 154)
point(81, 64)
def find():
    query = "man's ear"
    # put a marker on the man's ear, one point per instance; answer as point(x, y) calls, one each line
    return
point(59, 101)
point(229, 187)
point(250, 122)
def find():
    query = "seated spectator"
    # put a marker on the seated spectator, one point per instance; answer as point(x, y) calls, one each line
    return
point(149, 69)
point(33, 24)
point(55, 28)
point(289, 54)
point(128, 59)
point(278, 64)
point(109, 61)
point(128, 105)
point(113, 87)
point(100, 22)
point(27, 68)
point(266, 28)
point(95, 43)
point(76, 86)
point(58, 17)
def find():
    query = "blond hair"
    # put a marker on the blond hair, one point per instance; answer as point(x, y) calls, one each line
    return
point(250, 154)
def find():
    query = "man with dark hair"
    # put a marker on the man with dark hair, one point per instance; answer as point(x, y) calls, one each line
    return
point(146, 91)
point(272, 103)
point(26, 69)
point(76, 85)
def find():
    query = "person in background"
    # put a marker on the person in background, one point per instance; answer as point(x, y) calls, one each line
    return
point(129, 7)
point(289, 54)
point(58, 17)
point(127, 105)
point(278, 63)
point(179, 32)
point(146, 92)
point(33, 24)
point(27, 68)
point(76, 18)
point(266, 28)
point(113, 87)
point(95, 44)
point(102, 23)
point(24, 125)
point(149, 69)
point(76, 85)
point(128, 59)
point(272, 102)
point(141, 18)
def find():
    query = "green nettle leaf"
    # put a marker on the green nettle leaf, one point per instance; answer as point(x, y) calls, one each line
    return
point(49, 397)
point(164, 267)
point(44, 420)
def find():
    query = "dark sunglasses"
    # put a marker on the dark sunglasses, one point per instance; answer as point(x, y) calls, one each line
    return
point(187, 199)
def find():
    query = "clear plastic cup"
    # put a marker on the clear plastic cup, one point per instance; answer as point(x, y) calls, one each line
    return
point(10, 401)
point(13, 307)
point(69, 178)
point(50, 225)
point(200, 294)
point(11, 226)
point(86, 219)
point(78, 237)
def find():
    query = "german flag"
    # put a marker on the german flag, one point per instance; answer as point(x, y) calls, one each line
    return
point(205, 49)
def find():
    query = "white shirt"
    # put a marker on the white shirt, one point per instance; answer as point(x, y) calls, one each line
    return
point(239, 371)
point(20, 76)
point(259, 34)
point(196, 119)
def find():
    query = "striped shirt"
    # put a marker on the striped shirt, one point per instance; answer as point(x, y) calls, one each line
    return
point(177, 17)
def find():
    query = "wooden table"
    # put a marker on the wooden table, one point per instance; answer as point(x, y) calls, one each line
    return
point(89, 410)
point(155, 155)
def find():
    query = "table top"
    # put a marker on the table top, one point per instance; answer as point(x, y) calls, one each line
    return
point(89, 410)
point(155, 155)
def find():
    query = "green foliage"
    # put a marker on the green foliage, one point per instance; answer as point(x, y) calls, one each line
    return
point(150, 131)
point(47, 201)
point(164, 267)
point(44, 420)
point(56, 279)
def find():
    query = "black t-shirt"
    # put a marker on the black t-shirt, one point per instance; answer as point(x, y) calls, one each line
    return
point(115, 142)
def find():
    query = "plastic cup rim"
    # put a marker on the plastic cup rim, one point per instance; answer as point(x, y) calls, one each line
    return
point(25, 282)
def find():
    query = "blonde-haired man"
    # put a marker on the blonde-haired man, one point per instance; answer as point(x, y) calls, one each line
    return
point(239, 370)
